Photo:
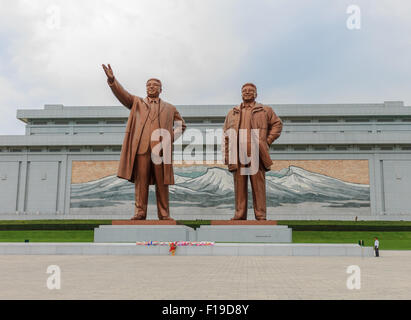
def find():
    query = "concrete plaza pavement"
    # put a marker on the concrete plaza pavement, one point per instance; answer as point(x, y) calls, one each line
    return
point(205, 277)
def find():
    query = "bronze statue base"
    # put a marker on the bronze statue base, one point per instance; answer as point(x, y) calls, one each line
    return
point(143, 222)
point(243, 222)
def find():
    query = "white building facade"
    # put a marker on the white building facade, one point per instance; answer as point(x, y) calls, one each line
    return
point(337, 161)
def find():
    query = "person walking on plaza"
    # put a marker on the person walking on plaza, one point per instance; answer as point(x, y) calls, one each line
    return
point(376, 247)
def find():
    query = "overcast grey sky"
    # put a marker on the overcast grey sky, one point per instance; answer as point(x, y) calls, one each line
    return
point(295, 51)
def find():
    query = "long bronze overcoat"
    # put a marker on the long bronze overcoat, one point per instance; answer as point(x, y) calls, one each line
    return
point(139, 110)
point(263, 118)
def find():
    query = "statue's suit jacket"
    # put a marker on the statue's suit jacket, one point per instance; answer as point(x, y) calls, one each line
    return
point(262, 118)
point(139, 110)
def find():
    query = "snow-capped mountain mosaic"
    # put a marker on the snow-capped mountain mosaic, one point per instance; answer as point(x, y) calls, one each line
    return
point(212, 187)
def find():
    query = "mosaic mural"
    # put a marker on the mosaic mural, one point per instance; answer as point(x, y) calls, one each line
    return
point(313, 184)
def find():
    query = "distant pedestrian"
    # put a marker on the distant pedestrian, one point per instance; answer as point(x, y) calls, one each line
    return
point(376, 247)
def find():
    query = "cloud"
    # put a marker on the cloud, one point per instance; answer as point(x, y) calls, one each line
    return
point(52, 51)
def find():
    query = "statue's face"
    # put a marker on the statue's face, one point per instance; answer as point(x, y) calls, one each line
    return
point(249, 93)
point(153, 88)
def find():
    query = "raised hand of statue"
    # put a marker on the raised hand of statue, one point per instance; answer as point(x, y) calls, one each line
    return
point(109, 72)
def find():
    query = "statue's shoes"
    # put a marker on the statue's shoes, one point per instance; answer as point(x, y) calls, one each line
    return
point(138, 217)
point(167, 218)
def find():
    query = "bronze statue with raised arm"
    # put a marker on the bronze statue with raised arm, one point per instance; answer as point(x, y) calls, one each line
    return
point(146, 155)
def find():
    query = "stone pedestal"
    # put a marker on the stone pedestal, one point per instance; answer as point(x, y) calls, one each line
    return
point(243, 223)
point(141, 232)
point(143, 222)
point(250, 233)
point(243, 231)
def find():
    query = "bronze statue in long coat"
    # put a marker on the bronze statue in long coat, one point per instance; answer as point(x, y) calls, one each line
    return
point(136, 165)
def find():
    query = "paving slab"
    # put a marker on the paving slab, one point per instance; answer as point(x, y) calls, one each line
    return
point(206, 277)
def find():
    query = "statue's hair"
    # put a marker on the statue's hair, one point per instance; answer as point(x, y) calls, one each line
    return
point(249, 84)
point(155, 79)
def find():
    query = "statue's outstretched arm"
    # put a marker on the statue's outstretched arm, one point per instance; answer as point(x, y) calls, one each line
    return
point(121, 94)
